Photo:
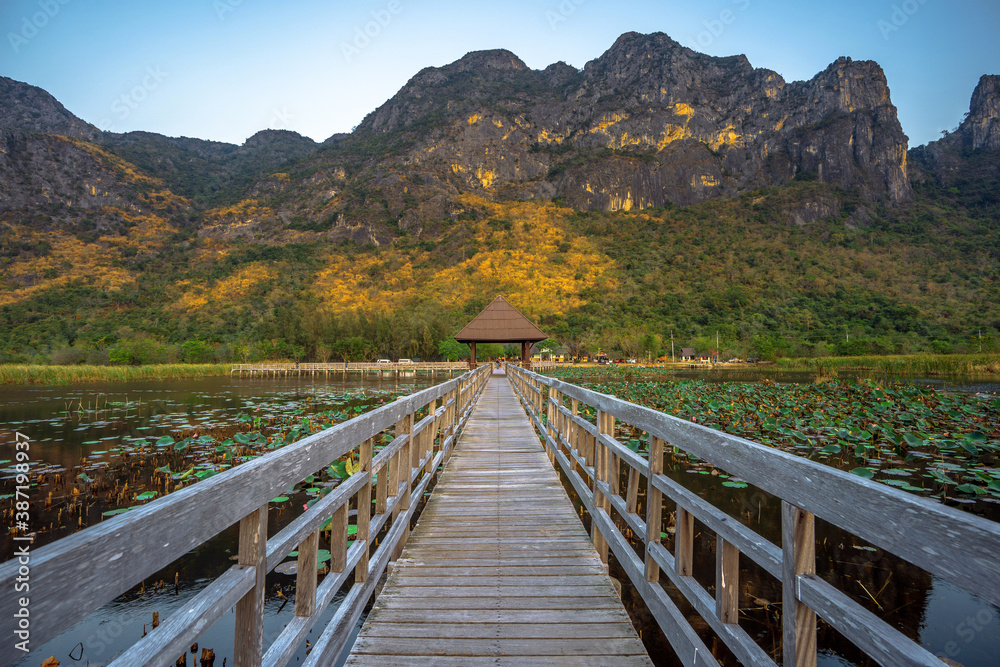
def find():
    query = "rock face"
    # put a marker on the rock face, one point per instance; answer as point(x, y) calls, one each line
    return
point(647, 123)
point(966, 153)
point(57, 176)
point(26, 108)
point(49, 157)
point(981, 129)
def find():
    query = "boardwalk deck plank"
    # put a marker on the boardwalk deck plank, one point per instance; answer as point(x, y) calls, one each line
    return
point(499, 568)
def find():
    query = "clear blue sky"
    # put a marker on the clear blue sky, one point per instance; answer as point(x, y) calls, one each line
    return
point(224, 69)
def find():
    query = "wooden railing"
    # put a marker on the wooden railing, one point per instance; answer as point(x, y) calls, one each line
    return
point(76, 575)
point(958, 547)
point(279, 368)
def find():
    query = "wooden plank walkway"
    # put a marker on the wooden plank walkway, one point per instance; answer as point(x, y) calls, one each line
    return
point(499, 570)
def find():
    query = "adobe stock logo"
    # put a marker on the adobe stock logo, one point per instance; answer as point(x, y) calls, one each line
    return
point(31, 25)
point(123, 105)
point(714, 28)
point(363, 36)
point(562, 13)
point(899, 17)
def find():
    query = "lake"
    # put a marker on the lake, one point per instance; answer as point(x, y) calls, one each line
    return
point(94, 429)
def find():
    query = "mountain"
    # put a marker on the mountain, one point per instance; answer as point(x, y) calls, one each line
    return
point(656, 189)
point(647, 124)
point(26, 108)
point(966, 157)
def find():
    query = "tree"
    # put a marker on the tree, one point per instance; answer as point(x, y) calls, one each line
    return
point(354, 348)
point(547, 346)
point(197, 352)
point(137, 351)
point(489, 351)
point(452, 350)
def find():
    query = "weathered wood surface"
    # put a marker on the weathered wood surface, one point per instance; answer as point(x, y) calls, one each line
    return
point(807, 489)
point(499, 569)
point(106, 560)
point(911, 527)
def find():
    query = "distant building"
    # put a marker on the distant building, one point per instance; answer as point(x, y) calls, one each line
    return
point(687, 354)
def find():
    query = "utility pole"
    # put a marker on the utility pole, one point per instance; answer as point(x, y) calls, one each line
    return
point(980, 339)
point(717, 351)
point(673, 358)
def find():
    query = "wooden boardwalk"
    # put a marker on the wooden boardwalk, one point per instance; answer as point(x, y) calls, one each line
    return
point(499, 570)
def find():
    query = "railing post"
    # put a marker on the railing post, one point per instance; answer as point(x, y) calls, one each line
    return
point(601, 473)
point(572, 436)
point(613, 462)
point(364, 510)
point(654, 507)
point(798, 547)
point(727, 581)
point(305, 578)
point(590, 444)
point(382, 488)
point(404, 470)
point(450, 424)
point(684, 543)
point(249, 641)
point(429, 438)
point(550, 422)
point(338, 539)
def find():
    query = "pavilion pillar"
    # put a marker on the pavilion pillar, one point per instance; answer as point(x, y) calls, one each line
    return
point(472, 355)
point(526, 355)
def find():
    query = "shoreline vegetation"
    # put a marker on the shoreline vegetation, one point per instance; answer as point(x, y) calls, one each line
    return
point(985, 365)
point(58, 375)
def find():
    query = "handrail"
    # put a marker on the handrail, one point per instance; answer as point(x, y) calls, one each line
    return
point(288, 367)
point(915, 529)
point(341, 367)
point(73, 576)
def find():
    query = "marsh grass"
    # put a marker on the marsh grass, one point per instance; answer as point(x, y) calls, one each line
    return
point(967, 365)
point(55, 375)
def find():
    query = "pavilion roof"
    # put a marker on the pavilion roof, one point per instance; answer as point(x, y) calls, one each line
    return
point(500, 322)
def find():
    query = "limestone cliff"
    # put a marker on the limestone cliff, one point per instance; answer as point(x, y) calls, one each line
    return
point(647, 123)
point(968, 152)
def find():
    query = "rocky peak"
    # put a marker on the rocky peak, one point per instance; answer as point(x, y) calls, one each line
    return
point(642, 69)
point(27, 108)
point(266, 139)
point(853, 84)
point(966, 153)
point(982, 127)
point(478, 77)
point(480, 62)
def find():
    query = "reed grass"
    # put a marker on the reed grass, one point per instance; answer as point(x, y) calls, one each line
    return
point(38, 374)
point(966, 365)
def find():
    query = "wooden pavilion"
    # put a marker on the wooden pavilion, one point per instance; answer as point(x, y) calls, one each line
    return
point(501, 322)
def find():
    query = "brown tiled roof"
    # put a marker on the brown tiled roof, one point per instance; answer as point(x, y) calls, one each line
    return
point(500, 322)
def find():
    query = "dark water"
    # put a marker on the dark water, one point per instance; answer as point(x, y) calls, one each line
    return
point(81, 425)
point(941, 617)
point(69, 423)
point(89, 427)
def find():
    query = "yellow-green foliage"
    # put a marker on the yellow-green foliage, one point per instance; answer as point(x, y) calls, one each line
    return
point(36, 374)
point(524, 252)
